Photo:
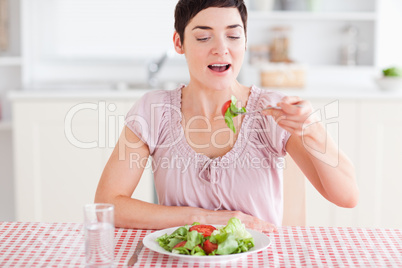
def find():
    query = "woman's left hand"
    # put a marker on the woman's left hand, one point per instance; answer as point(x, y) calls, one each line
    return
point(292, 118)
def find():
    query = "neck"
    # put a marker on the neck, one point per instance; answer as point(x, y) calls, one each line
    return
point(208, 101)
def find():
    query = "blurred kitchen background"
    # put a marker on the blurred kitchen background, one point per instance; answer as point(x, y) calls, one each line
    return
point(81, 64)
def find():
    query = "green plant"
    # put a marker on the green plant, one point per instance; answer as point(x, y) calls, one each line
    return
point(392, 71)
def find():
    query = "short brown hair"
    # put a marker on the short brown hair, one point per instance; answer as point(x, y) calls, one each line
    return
point(187, 9)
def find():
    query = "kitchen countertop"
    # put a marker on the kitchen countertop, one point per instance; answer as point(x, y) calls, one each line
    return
point(310, 92)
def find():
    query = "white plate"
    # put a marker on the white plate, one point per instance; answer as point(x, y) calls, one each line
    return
point(261, 242)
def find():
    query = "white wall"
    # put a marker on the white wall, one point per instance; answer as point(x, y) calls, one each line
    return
point(389, 39)
point(111, 41)
point(105, 41)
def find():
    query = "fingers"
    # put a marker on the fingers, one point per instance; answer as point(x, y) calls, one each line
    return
point(254, 223)
point(298, 108)
point(275, 113)
point(290, 109)
point(264, 227)
point(293, 115)
point(290, 123)
point(294, 107)
point(290, 105)
point(291, 99)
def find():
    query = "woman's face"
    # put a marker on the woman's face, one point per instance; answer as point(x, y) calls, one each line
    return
point(214, 46)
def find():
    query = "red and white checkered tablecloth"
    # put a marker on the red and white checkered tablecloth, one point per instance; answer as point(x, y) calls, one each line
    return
point(33, 244)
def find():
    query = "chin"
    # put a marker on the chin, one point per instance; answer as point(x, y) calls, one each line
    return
point(221, 85)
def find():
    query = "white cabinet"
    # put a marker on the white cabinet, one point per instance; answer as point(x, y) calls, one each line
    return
point(380, 154)
point(339, 117)
point(61, 148)
point(369, 132)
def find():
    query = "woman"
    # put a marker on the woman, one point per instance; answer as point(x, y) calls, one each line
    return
point(202, 170)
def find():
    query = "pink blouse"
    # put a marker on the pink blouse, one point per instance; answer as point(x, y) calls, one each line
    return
point(248, 178)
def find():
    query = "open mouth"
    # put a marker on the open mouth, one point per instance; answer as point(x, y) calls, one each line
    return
point(219, 67)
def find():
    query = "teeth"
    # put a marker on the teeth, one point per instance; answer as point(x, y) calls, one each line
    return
point(219, 65)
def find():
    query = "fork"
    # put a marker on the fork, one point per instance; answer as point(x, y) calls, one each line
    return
point(266, 108)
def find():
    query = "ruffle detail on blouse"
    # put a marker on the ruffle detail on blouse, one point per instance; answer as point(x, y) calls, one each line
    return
point(176, 129)
point(266, 132)
point(184, 148)
point(209, 171)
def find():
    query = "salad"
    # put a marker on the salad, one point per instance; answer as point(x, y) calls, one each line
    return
point(201, 239)
point(230, 110)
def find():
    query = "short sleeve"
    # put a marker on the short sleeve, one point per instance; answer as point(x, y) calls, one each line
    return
point(145, 117)
point(271, 134)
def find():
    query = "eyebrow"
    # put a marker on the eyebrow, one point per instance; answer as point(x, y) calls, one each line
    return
point(210, 28)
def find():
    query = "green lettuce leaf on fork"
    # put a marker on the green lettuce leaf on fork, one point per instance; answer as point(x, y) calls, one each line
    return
point(231, 112)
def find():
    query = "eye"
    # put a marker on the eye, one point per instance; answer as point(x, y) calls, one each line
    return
point(234, 37)
point(203, 39)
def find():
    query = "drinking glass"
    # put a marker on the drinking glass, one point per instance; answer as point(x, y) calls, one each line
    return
point(99, 235)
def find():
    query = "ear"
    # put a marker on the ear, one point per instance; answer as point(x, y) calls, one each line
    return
point(177, 43)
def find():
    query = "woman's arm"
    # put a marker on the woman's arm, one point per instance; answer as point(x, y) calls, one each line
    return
point(122, 175)
point(324, 164)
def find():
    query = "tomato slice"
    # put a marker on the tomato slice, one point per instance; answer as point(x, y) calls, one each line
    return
point(225, 107)
point(209, 246)
point(204, 229)
point(180, 244)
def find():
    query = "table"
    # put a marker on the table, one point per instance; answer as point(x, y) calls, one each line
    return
point(35, 244)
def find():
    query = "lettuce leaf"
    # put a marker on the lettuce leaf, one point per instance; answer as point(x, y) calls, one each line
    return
point(231, 112)
point(232, 238)
point(237, 228)
point(194, 238)
point(197, 251)
point(169, 241)
point(227, 244)
point(181, 250)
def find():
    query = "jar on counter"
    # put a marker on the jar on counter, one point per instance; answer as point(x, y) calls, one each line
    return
point(258, 54)
point(283, 75)
point(279, 48)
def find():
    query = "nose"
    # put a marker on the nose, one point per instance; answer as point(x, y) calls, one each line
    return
point(220, 47)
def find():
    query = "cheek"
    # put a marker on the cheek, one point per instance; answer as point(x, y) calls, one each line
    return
point(240, 52)
point(194, 60)
point(239, 48)
point(196, 55)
